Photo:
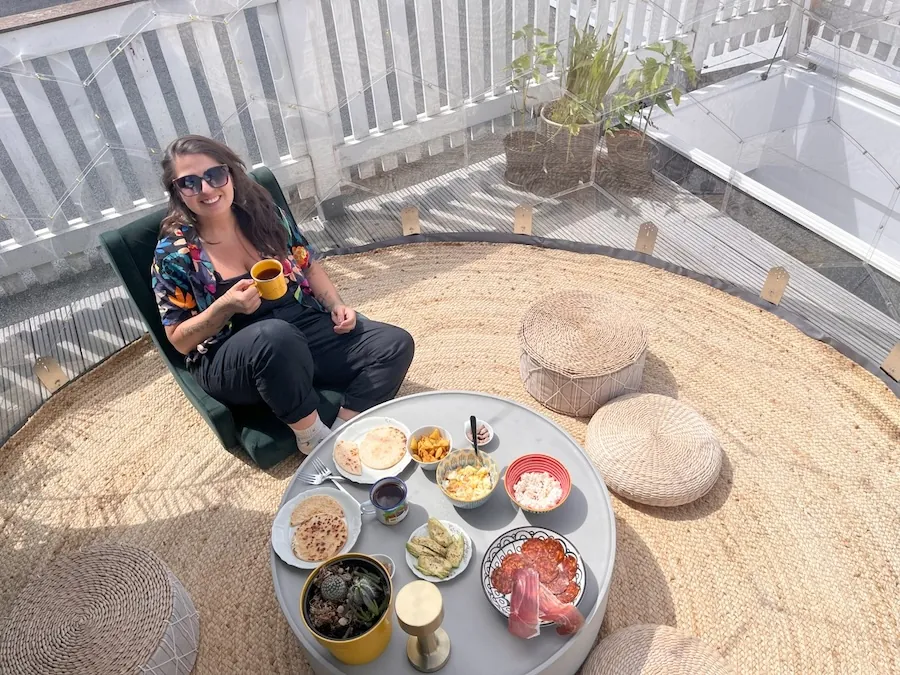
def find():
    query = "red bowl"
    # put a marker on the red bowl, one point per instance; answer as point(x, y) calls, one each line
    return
point(534, 463)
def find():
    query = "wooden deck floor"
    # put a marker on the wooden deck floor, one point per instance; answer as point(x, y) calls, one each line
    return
point(474, 199)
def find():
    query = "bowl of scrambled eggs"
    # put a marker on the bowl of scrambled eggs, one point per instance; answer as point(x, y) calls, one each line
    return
point(467, 479)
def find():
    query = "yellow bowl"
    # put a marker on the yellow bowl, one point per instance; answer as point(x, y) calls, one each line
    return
point(458, 459)
point(363, 648)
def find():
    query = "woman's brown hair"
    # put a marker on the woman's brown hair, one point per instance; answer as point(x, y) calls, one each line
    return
point(261, 224)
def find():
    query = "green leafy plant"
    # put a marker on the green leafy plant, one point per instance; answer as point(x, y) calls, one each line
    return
point(346, 599)
point(593, 69)
point(527, 68)
point(645, 87)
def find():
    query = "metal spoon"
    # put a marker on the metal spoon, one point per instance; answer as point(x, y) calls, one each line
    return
point(473, 424)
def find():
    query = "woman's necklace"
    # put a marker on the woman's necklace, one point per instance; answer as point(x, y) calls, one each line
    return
point(207, 242)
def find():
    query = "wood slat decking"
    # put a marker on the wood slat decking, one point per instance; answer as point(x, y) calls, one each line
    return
point(692, 234)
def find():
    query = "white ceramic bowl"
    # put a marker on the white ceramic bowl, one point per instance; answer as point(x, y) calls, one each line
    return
point(424, 431)
point(387, 561)
point(478, 423)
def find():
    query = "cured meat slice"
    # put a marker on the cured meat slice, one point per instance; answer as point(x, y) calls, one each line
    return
point(513, 562)
point(524, 605)
point(547, 569)
point(554, 549)
point(533, 549)
point(566, 616)
point(503, 580)
point(560, 583)
point(570, 566)
point(570, 593)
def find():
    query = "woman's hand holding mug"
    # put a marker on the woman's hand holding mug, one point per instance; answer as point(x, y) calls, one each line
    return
point(243, 297)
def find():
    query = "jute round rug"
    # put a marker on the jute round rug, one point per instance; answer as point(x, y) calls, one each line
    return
point(790, 564)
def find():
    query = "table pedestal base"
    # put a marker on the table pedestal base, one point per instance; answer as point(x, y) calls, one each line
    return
point(429, 653)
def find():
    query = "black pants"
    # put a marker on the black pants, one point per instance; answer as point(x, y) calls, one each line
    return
point(276, 359)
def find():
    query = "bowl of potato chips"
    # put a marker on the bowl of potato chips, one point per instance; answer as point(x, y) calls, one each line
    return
point(429, 445)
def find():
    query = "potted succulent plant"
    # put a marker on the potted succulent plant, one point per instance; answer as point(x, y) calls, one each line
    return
point(524, 147)
point(652, 84)
point(574, 121)
point(345, 604)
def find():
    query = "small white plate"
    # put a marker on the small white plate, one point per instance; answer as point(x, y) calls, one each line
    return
point(355, 432)
point(454, 530)
point(283, 533)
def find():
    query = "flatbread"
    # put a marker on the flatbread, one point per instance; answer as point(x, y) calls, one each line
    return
point(382, 447)
point(346, 456)
point(319, 537)
point(313, 505)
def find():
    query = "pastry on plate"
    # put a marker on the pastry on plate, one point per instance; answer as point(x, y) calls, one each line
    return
point(346, 456)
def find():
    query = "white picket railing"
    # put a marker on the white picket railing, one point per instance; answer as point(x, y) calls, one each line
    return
point(311, 89)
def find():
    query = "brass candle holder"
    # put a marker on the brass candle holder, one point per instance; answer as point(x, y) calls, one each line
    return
point(420, 611)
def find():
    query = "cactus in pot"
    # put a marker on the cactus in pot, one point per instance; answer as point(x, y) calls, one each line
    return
point(346, 599)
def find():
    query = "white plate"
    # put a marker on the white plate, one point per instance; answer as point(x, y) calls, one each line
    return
point(454, 530)
point(282, 532)
point(355, 432)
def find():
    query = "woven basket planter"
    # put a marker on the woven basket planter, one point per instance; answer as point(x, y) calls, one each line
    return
point(579, 350)
point(654, 450)
point(107, 609)
point(649, 650)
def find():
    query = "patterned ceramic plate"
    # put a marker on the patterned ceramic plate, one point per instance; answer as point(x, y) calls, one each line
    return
point(511, 542)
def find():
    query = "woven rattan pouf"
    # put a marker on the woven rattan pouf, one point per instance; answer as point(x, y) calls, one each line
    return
point(654, 450)
point(107, 609)
point(579, 350)
point(653, 650)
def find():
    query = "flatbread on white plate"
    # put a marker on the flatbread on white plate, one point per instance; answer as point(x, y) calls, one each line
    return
point(382, 447)
point(310, 506)
point(346, 456)
point(319, 537)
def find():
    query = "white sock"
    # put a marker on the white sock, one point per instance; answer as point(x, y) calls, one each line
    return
point(309, 438)
point(338, 423)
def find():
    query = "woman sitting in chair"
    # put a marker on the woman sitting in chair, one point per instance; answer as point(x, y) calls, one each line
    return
point(241, 348)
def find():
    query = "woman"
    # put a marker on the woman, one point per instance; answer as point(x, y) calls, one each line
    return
point(243, 349)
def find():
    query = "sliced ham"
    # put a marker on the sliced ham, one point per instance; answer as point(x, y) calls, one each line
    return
point(566, 616)
point(524, 604)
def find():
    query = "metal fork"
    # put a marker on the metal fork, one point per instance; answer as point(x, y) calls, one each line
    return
point(322, 473)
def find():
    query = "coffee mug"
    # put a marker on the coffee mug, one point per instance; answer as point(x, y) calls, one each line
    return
point(387, 501)
point(268, 275)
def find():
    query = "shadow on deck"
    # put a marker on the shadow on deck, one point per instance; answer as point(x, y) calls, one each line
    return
point(463, 190)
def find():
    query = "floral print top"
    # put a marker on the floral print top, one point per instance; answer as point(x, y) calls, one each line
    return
point(184, 281)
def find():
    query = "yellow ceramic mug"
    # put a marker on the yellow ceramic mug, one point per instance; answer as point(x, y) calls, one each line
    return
point(268, 275)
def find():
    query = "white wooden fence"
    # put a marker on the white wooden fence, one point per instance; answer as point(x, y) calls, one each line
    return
point(312, 89)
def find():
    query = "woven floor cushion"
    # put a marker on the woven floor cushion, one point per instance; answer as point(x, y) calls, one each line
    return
point(579, 350)
point(107, 609)
point(653, 650)
point(654, 450)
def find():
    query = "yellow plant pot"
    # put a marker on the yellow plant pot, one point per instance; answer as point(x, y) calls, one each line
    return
point(363, 648)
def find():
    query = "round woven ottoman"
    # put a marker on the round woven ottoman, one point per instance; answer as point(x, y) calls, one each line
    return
point(107, 609)
point(653, 650)
point(579, 350)
point(654, 450)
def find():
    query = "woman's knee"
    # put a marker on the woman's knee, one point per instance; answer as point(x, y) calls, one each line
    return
point(398, 344)
point(275, 340)
point(406, 343)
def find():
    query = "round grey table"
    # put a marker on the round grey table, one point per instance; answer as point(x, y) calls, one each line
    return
point(480, 641)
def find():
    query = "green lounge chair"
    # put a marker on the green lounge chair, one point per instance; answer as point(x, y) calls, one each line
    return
point(255, 429)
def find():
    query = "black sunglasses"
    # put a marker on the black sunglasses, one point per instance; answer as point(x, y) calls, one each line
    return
point(215, 177)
